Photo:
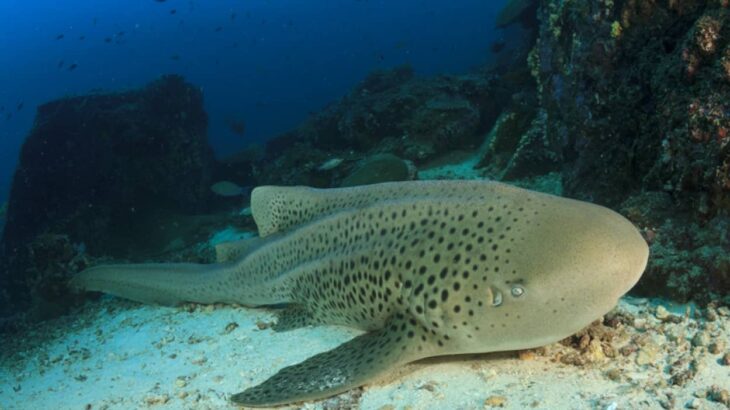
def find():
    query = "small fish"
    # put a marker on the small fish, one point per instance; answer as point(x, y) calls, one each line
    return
point(229, 189)
point(60, 64)
point(8, 116)
point(82, 38)
point(72, 67)
point(173, 11)
point(219, 29)
point(59, 37)
point(233, 16)
point(330, 164)
point(175, 57)
point(108, 40)
point(20, 106)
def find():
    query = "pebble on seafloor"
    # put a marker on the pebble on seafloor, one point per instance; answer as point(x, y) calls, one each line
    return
point(726, 359)
point(495, 401)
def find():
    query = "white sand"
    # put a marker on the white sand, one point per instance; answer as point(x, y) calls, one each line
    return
point(120, 355)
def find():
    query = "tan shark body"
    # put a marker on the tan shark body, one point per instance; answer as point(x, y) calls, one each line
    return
point(427, 268)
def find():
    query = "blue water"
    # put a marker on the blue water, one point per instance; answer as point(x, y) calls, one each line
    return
point(268, 63)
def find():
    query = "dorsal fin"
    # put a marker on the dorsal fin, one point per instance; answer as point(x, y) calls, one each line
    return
point(277, 208)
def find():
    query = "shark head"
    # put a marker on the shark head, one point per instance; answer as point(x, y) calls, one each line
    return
point(574, 261)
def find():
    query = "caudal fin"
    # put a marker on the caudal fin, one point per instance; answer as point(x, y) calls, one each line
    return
point(164, 284)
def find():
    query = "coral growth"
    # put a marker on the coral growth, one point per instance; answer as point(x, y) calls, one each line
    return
point(690, 261)
point(645, 109)
point(689, 258)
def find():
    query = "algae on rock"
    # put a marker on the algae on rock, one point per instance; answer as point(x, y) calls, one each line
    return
point(379, 168)
point(519, 147)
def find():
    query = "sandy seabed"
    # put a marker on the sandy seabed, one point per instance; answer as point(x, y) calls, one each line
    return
point(113, 354)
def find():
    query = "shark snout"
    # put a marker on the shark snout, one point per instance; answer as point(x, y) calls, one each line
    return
point(595, 256)
point(612, 254)
point(631, 252)
point(603, 257)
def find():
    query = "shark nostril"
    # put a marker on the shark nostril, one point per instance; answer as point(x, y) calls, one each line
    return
point(496, 297)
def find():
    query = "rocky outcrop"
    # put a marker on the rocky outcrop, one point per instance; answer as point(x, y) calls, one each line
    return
point(638, 93)
point(99, 171)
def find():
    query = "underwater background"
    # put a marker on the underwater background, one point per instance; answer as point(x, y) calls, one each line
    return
point(266, 63)
point(135, 131)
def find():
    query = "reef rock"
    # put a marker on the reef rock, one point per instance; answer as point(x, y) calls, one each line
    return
point(637, 95)
point(417, 119)
point(380, 168)
point(99, 169)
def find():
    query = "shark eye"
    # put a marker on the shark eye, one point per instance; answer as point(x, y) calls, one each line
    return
point(518, 291)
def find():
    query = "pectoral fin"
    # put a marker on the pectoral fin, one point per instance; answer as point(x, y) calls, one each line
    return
point(350, 365)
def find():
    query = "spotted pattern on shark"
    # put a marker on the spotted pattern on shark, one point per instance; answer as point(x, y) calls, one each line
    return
point(426, 268)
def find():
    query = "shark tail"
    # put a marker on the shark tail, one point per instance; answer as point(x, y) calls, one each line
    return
point(164, 284)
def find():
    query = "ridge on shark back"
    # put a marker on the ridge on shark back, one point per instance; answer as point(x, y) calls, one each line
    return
point(426, 268)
